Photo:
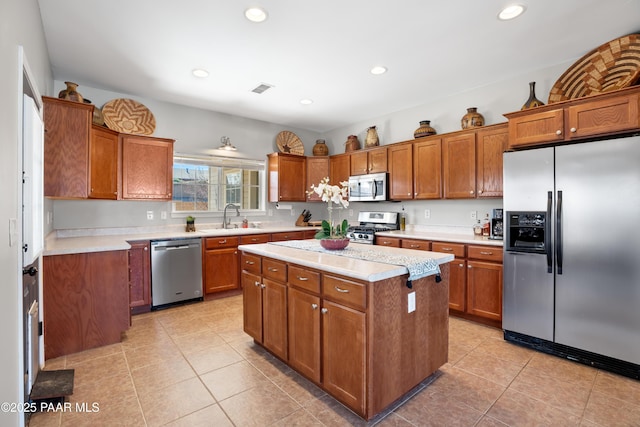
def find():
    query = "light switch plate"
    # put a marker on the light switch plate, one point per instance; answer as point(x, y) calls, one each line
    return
point(411, 302)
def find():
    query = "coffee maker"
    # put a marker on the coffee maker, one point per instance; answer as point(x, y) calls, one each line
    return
point(497, 229)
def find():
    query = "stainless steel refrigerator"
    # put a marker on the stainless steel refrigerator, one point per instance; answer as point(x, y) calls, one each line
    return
point(572, 252)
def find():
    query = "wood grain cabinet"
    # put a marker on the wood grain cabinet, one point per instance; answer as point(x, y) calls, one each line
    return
point(339, 168)
point(287, 177)
point(400, 163)
point(387, 241)
point(147, 168)
point(67, 126)
point(459, 166)
point(491, 142)
point(221, 264)
point(288, 235)
point(427, 169)
point(609, 113)
point(104, 163)
point(139, 277)
point(484, 282)
point(372, 160)
point(85, 301)
point(458, 277)
point(317, 169)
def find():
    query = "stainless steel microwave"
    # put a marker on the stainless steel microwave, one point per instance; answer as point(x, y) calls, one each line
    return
point(368, 188)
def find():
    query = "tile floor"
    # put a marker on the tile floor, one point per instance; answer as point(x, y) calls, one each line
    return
point(193, 366)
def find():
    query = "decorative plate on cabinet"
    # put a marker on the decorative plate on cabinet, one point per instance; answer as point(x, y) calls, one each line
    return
point(614, 65)
point(288, 142)
point(128, 116)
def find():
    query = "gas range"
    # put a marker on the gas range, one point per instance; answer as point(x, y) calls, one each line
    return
point(371, 223)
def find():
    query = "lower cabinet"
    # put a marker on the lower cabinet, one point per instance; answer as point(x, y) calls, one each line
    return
point(484, 282)
point(139, 277)
point(221, 262)
point(85, 301)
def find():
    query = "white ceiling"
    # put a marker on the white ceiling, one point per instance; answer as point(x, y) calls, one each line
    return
point(318, 50)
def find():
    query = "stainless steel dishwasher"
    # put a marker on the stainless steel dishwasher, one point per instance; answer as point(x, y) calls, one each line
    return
point(176, 271)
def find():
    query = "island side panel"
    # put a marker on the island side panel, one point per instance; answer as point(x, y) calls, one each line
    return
point(405, 348)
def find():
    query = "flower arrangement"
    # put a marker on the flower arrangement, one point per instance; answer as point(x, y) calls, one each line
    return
point(332, 194)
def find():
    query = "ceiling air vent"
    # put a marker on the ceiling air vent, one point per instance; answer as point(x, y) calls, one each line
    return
point(261, 88)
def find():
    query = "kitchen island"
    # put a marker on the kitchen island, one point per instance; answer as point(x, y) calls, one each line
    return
point(355, 327)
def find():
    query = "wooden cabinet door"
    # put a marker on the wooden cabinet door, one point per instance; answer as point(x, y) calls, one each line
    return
point(417, 244)
point(359, 163)
point(317, 169)
point(287, 176)
point(304, 333)
point(147, 168)
point(536, 128)
point(344, 353)
point(66, 148)
point(603, 116)
point(484, 289)
point(221, 270)
point(287, 235)
point(104, 163)
point(339, 168)
point(274, 317)
point(400, 162)
point(491, 144)
point(458, 285)
point(387, 241)
point(459, 166)
point(427, 169)
point(377, 160)
point(252, 304)
point(139, 273)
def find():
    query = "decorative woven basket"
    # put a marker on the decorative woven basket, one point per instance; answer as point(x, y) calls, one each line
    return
point(612, 66)
point(128, 116)
point(288, 142)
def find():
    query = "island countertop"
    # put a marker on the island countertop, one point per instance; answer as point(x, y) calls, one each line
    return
point(334, 262)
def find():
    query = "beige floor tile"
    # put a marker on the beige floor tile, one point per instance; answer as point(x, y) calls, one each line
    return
point(394, 420)
point(489, 367)
point(233, 379)
point(562, 369)
point(259, 406)
point(192, 343)
point(300, 418)
point(330, 412)
point(210, 416)
point(431, 408)
point(504, 350)
point(160, 375)
point(617, 386)
point(610, 411)
point(45, 419)
point(94, 353)
point(212, 358)
point(299, 388)
point(152, 354)
point(164, 405)
point(96, 369)
point(487, 421)
point(517, 409)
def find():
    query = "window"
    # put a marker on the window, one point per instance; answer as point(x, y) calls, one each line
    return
point(208, 184)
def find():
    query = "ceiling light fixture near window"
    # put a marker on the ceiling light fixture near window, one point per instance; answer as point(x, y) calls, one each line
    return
point(226, 144)
point(256, 14)
point(200, 72)
point(306, 101)
point(511, 12)
point(378, 69)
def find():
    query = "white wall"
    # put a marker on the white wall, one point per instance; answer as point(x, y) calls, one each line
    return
point(20, 24)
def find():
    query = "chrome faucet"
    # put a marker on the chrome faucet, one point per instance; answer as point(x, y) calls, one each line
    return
point(225, 221)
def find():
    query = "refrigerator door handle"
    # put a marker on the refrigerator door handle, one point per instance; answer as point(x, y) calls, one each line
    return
point(547, 233)
point(559, 233)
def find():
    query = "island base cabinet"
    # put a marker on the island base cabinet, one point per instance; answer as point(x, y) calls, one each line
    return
point(274, 317)
point(252, 305)
point(304, 333)
point(85, 300)
point(344, 354)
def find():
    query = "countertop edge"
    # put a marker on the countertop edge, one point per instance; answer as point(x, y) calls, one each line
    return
point(441, 237)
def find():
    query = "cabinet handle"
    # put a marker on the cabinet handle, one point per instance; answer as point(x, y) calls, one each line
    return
point(249, 262)
point(344, 291)
point(314, 306)
point(415, 194)
point(558, 132)
point(262, 285)
point(470, 191)
point(146, 248)
point(272, 269)
point(460, 265)
point(408, 194)
point(414, 246)
point(302, 279)
point(222, 242)
point(256, 283)
point(254, 239)
point(480, 192)
point(468, 266)
point(486, 253)
point(324, 311)
point(447, 249)
point(573, 130)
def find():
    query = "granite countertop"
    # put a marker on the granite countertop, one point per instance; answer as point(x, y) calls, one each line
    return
point(83, 241)
point(438, 236)
point(370, 271)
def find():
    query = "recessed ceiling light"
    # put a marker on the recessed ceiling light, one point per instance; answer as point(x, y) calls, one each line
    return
point(511, 12)
point(306, 101)
point(256, 14)
point(200, 72)
point(378, 69)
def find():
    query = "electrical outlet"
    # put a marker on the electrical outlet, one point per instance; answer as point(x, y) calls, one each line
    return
point(163, 215)
point(427, 213)
point(149, 214)
point(270, 212)
point(474, 214)
point(350, 212)
point(293, 213)
point(411, 302)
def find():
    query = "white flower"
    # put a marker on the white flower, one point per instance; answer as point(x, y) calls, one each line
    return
point(331, 193)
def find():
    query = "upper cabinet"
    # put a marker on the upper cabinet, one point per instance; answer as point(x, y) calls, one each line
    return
point(606, 114)
point(66, 148)
point(339, 168)
point(287, 176)
point(317, 169)
point(369, 161)
point(459, 165)
point(491, 142)
point(82, 160)
point(427, 168)
point(400, 161)
point(147, 167)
